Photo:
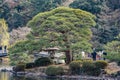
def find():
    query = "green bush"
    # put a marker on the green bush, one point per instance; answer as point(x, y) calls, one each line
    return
point(30, 65)
point(53, 71)
point(75, 67)
point(43, 62)
point(101, 64)
point(87, 67)
point(114, 57)
point(90, 68)
point(60, 70)
point(19, 67)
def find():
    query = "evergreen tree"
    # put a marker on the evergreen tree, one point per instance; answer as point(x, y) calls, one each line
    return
point(63, 27)
point(4, 35)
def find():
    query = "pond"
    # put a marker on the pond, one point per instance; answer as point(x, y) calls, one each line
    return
point(10, 76)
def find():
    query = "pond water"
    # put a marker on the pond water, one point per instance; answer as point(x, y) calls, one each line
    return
point(9, 76)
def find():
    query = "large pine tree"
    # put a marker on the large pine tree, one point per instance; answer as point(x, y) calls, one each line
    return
point(63, 27)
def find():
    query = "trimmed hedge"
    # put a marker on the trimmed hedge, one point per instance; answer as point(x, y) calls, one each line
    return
point(89, 68)
point(60, 70)
point(19, 67)
point(30, 65)
point(53, 71)
point(43, 62)
point(101, 64)
point(75, 67)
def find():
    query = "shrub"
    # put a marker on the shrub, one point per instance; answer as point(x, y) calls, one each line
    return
point(75, 67)
point(19, 67)
point(101, 64)
point(60, 70)
point(114, 57)
point(53, 71)
point(43, 61)
point(89, 68)
point(30, 65)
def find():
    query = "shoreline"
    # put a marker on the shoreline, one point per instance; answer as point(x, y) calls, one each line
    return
point(76, 77)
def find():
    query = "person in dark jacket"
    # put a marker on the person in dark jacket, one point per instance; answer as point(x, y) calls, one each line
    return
point(94, 55)
point(104, 55)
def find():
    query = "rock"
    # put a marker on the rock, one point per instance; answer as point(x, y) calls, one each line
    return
point(112, 68)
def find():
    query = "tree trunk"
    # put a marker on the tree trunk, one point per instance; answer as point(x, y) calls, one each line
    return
point(68, 56)
point(67, 46)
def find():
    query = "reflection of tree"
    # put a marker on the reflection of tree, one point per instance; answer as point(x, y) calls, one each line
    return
point(4, 76)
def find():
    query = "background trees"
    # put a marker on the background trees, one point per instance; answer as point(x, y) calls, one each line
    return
point(106, 11)
point(18, 13)
point(93, 6)
point(113, 4)
point(113, 50)
point(4, 35)
point(18, 34)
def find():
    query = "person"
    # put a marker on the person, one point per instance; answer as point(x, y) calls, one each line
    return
point(94, 55)
point(104, 55)
point(83, 54)
point(89, 55)
point(100, 55)
point(5, 49)
point(1, 50)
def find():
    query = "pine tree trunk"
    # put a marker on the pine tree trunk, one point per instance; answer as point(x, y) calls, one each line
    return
point(67, 46)
point(68, 56)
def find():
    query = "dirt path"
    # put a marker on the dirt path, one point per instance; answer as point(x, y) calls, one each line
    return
point(67, 3)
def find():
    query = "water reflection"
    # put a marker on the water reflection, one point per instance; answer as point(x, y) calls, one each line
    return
point(9, 76)
point(38, 78)
point(4, 76)
point(23, 78)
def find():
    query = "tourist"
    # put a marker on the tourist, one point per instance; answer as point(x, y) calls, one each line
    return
point(104, 55)
point(89, 55)
point(100, 53)
point(83, 54)
point(94, 55)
